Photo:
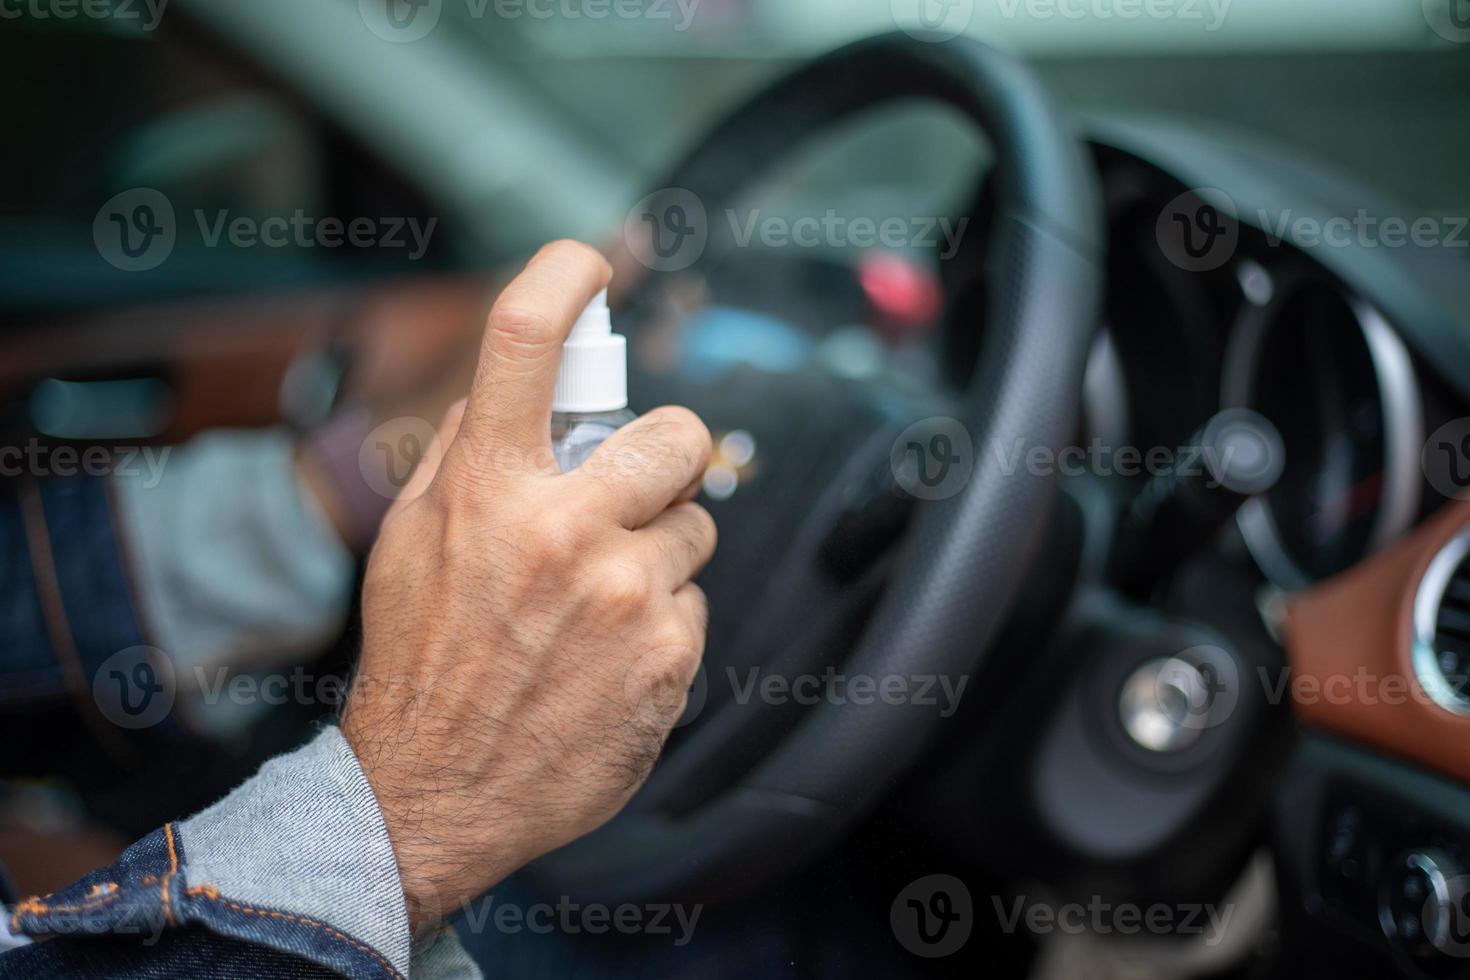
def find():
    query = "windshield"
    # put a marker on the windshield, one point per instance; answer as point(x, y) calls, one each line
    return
point(524, 120)
point(643, 78)
point(763, 29)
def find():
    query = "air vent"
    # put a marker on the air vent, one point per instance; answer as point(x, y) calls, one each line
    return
point(1442, 626)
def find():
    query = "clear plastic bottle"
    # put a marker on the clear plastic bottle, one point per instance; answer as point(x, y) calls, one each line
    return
point(591, 401)
point(575, 435)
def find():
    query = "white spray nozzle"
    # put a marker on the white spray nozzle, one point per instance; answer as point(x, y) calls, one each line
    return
point(594, 364)
point(595, 321)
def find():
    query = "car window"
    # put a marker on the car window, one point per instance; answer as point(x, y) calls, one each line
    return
point(1310, 74)
point(147, 151)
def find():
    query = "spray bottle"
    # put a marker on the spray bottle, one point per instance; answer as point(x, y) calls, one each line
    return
point(591, 400)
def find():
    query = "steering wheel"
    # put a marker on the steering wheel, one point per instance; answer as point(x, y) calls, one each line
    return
point(955, 573)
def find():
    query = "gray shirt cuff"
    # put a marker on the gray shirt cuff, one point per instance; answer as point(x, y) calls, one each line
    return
point(305, 836)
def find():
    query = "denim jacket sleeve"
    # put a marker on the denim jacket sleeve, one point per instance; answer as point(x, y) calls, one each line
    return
point(292, 874)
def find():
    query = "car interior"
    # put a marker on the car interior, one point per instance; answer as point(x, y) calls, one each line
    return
point(1090, 390)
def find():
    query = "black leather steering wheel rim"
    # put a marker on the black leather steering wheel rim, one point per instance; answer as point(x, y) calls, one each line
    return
point(957, 570)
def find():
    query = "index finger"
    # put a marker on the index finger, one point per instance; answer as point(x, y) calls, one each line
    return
point(510, 399)
point(648, 464)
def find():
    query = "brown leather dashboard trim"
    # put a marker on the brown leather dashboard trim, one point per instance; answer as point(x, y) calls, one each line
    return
point(1350, 645)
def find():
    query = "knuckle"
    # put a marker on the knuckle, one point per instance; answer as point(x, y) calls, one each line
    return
point(701, 604)
point(521, 328)
point(674, 443)
point(703, 531)
point(665, 673)
point(557, 540)
point(673, 640)
point(612, 470)
point(683, 428)
point(690, 662)
point(626, 590)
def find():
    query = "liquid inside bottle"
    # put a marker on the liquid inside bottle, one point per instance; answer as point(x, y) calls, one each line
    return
point(576, 435)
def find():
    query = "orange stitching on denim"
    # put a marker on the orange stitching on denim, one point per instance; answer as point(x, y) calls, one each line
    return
point(173, 869)
point(95, 899)
point(304, 920)
point(206, 889)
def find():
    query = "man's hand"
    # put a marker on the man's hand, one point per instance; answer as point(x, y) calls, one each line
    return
point(529, 636)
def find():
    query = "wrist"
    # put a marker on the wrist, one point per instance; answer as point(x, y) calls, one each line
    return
point(431, 826)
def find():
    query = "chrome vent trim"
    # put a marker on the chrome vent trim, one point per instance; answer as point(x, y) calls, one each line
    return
point(1442, 626)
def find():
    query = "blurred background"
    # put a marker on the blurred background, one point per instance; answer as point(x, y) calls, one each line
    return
point(515, 129)
point(178, 271)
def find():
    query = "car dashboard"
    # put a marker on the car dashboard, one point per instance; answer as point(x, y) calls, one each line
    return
point(1240, 277)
